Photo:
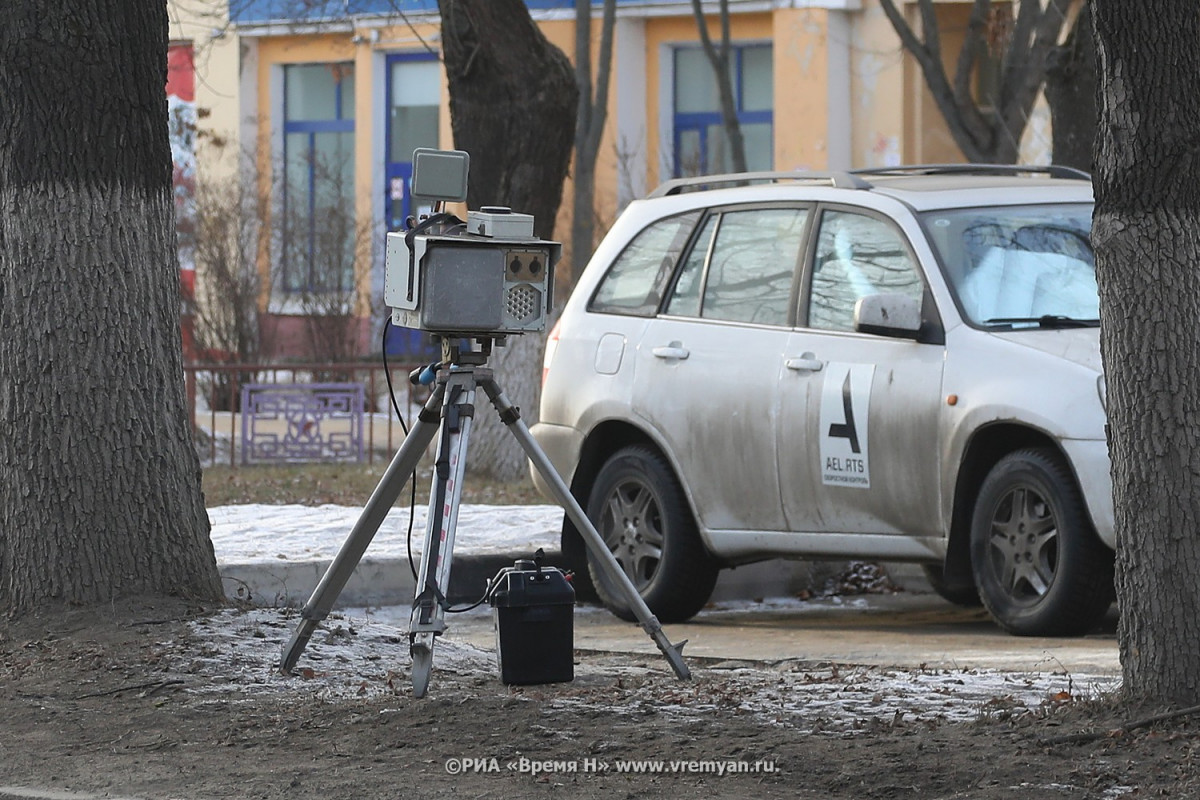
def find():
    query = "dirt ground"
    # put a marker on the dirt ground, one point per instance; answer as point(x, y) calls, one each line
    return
point(128, 701)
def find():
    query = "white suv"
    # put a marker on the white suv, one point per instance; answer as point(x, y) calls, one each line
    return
point(898, 364)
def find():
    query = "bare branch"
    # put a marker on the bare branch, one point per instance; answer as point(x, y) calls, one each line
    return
point(968, 56)
point(719, 59)
point(709, 48)
point(1027, 61)
point(970, 139)
point(603, 71)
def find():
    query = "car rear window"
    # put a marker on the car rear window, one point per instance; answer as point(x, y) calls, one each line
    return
point(635, 282)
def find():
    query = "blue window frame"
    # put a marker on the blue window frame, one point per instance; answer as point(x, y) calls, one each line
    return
point(318, 227)
point(699, 135)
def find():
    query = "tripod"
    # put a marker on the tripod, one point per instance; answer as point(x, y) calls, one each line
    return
point(450, 410)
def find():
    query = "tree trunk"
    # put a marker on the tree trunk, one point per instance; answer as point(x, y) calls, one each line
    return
point(1146, 232)
point(1071, 95)
point(589, 128)
point(513, 101)
point(99, 484)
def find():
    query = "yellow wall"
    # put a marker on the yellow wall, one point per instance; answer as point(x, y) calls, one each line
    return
point(801, 95)
point(878, 93)
point(204, 23)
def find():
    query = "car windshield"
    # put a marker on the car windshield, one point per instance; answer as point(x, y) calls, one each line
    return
point(1019, 266)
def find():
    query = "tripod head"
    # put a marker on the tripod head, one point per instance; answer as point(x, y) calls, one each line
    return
point(456, 352)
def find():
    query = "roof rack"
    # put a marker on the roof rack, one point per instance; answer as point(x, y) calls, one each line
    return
point(838, 180)
point(1053, 170)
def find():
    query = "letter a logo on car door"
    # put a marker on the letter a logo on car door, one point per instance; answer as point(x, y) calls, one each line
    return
point(845, 407)
point(847, 428)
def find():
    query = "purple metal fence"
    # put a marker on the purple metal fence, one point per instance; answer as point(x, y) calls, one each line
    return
point(214, 396)
point(301, 422)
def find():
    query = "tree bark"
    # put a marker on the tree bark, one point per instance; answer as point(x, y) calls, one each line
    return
point(1071, 95)
point(99, 484)
point(513, 101)
point(1146, 233)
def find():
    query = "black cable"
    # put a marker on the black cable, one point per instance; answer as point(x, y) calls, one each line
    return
point(412, 495)
point(486, 594)
point(491, 586)
point(387, 374)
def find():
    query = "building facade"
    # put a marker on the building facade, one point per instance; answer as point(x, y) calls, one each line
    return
point(329, 107)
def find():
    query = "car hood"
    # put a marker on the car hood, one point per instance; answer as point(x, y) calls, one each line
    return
point(1079, 345)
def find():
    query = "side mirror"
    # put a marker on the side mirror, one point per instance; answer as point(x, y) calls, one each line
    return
point(894, 315)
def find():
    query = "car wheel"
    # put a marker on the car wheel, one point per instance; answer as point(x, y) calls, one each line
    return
point(958, 594)
point(639, 509)
point(1039, 567)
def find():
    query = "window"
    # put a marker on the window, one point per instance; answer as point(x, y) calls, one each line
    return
point(413, 117)
point(857, 255)
point(414, 87)
point(701, 147)
point(318, 226)
point(635, 283)
point(742, 267)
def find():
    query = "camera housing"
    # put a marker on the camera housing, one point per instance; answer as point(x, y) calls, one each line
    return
point(487, 277)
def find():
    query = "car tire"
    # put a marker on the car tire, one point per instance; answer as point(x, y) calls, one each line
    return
point(640, 511)
point(1038, 564)
point(959, 595)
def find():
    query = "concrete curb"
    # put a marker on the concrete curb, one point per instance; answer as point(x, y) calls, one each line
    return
point(375, 582)
point(389, 581)
point(34, 793)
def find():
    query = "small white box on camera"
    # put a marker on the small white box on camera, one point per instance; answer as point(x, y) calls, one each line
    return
point(500, 222)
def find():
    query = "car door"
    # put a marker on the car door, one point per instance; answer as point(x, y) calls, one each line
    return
point(709, 367)
point(859, 450)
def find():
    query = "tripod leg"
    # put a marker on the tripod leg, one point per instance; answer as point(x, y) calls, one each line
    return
point(427, 621)
point(373, 514)
point(562, 493)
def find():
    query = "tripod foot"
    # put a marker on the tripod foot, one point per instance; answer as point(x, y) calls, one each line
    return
point(422, 667)
point(293, 649)
point(674, 654)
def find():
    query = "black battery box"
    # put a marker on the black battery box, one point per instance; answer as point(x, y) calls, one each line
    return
point(533, 608)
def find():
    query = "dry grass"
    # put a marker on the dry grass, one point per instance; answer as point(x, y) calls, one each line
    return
point(341, 484)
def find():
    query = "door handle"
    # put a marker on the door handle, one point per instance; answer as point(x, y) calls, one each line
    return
point(672, 350)
point(807, 362)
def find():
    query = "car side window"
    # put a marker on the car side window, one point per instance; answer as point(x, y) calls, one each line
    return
point(857, 255)
point(685, 300)
point(635, 282)
point(742, 267)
